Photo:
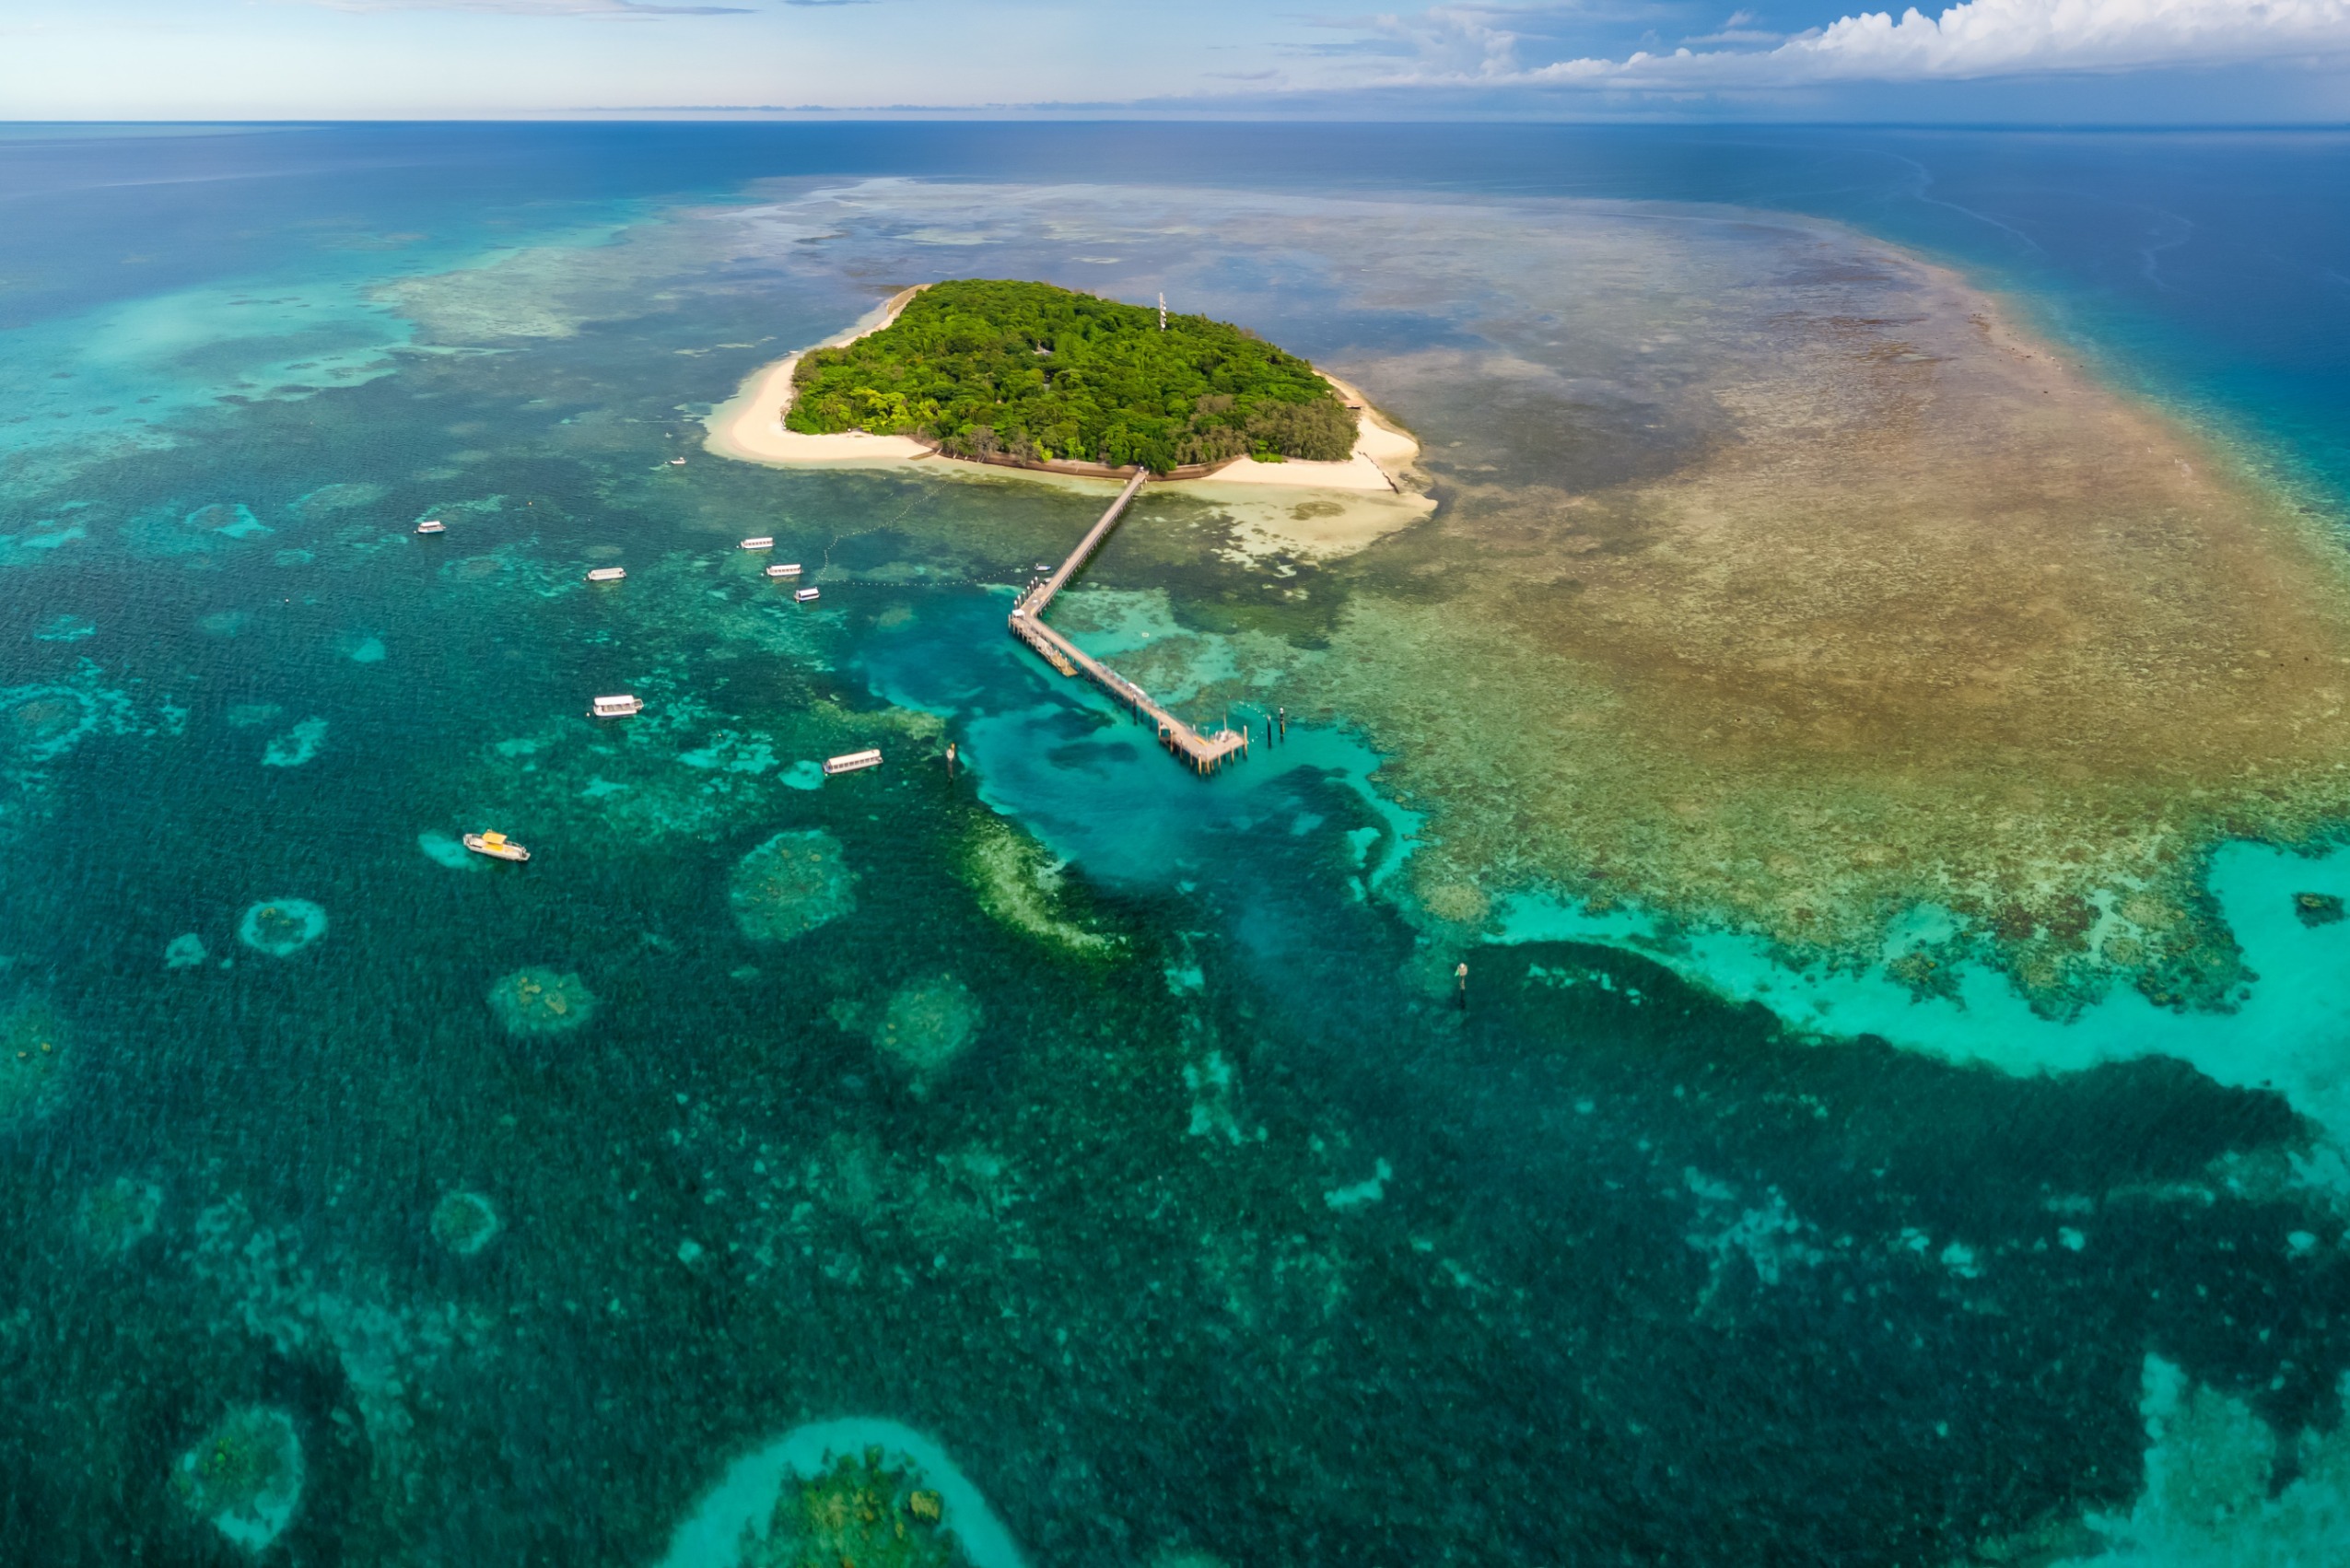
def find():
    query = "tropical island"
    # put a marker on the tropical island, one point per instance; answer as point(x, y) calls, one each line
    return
point(992, 370)
point(995, 376)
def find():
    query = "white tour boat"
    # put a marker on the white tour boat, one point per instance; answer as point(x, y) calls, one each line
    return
point(496, 845)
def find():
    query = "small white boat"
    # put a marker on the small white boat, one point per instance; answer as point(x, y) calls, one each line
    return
point(606, 574)
point(432, 525)
point(805, 596)
point(852, 762)
point(792, 570)
point(677, 463)
point(759, 542)
point(496, 845)
point(619, 707)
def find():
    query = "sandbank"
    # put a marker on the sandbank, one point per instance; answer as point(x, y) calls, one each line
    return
point(1369, 495)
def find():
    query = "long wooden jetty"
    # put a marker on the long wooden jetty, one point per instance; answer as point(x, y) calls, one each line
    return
point(1204, 752)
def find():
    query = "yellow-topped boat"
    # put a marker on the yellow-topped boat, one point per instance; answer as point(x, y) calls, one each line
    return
point(496, 845)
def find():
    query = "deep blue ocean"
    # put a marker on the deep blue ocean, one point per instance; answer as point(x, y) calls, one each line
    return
point(1063, 1129)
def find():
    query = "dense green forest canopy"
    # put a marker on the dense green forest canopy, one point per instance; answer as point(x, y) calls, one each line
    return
point(1028, 370)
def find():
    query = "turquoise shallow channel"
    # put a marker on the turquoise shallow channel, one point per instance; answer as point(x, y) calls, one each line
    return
point(1096, 1153)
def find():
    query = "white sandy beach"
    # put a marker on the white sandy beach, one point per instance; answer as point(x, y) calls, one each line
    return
point(1370, 500)
point(748, 427)
point(1381, 451)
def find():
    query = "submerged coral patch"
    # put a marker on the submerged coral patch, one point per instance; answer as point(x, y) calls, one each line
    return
point(44, 537)
point(540, 1001)
point(2317, 908)
point(448, 850)
point(41, 723)
point(115, 1216)
point(791, 884)
point(281, 927)
point(185, 951)
point(328, 498)
point(32, 1061)
point(475, 568)
point(297, 745)
point(1019, 885)
point(244, 1476)
point(2221, 1486)
point(228, 520)
point(464, 1222)
point(928, 1024)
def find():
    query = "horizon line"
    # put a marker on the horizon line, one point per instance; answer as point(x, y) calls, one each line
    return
point(914, 115)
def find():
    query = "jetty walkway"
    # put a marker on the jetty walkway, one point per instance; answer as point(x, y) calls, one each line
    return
point(1204, 752)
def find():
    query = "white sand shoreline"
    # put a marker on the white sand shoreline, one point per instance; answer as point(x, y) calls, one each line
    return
point(1367, 488)
point(742, 427)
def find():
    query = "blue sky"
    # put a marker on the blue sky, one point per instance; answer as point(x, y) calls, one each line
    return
point(1986, 60)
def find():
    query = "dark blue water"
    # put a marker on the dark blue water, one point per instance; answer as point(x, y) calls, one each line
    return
point(1091, 1141)
point(2216, 263)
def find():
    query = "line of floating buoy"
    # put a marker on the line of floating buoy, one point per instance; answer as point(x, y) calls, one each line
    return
point(432, 525)
point(619, 707)
point(606, 574)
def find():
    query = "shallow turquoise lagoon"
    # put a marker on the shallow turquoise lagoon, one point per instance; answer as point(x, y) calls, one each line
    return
point(1095, 1144)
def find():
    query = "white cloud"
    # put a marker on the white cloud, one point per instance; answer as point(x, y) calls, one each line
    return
point(1467, 44)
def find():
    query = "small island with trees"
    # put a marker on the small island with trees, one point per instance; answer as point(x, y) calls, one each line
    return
point(1027, 373)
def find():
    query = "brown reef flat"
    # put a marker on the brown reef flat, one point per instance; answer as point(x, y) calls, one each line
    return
point(1781, 582)
point(1931, 617)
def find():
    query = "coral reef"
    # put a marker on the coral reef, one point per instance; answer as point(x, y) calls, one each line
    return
point(41, 723)
point(1018, 882)
point(464, 1222)
point(244, 1476)
point(33, 1052)
point(448, 850)
point(185, 951)
point(115, 1216)
point(926, 1026)
point(282, 927)
point(861, 1510)
point(540, 1001)
point(229, 519)
point(2317, 908)
point(1918, 615)
point(2222, 1487)
point(297, 745)
point(791, 884)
